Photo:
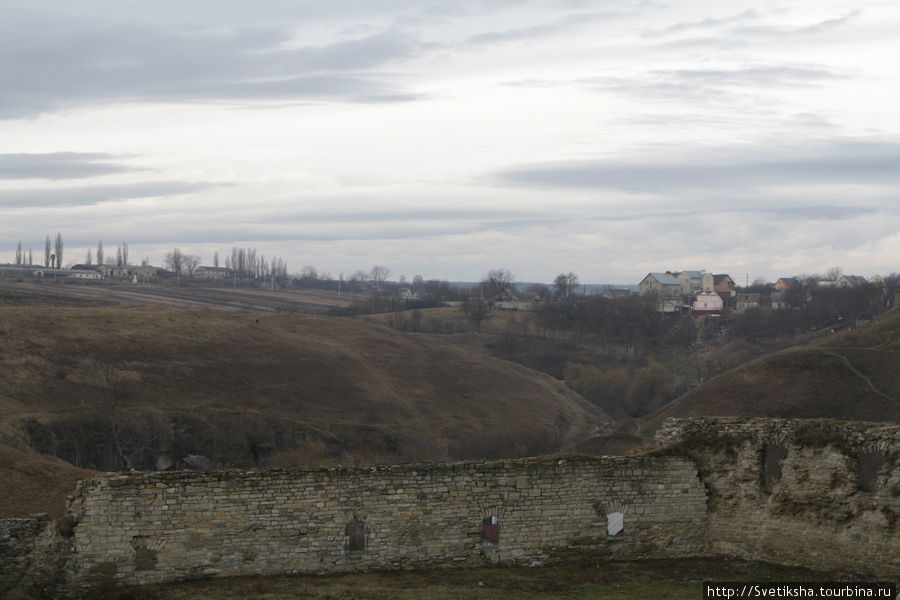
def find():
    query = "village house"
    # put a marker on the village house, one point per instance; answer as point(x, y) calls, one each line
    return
point(664, 285)
point(707, 303)
point(786, 283)
point(779, 301)
point(850, 281)
point(144, 273)
point(745, 301)
point(694, 281)
point(724, 284)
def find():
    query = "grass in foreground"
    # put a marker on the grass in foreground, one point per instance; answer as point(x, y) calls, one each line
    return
point(656, 579)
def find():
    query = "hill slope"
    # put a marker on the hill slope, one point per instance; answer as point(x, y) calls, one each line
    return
point(34, 483)
point(852, 375)
point(108, 387)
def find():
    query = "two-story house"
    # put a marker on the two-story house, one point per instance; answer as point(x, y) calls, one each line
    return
point(664, 285)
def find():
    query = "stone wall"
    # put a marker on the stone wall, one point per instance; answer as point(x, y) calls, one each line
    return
point(821, 494)
point(33, 556)
point(17, 540)
point(154, 527)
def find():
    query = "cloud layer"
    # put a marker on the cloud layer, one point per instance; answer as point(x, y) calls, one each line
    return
point(450, 138)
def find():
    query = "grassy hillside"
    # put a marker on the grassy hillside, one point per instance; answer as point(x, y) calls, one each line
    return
point(190, 294)
point(852, 375)
point(34, 483)
point(105, 387)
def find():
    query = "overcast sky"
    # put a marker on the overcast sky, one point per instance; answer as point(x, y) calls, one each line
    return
point(440, 138)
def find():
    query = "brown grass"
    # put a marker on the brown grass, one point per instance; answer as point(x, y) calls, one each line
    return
point(597, 580)
point(192, 294)
point(34, 483)
point(247, 388)
point(804, 382)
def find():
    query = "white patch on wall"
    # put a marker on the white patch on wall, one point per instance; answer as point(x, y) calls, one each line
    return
point(615, 524)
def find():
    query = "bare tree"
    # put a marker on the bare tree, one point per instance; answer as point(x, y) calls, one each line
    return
point(58, 247)
point(475, 309)
point(216, 259)
point(30, 257)
point(175, 262)
point(100, 253)
point(119, 258)
point(380, 274)
point(19, 257)
point(497, 283)
point(833, 274)
point(565, 284)
point(191, 262)
point(89, 260)
point(47, 252)
point(124, 254)
point(309, 273)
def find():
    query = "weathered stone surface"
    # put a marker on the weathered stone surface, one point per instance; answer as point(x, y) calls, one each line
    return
point(286, 521)
point(819, 513)
point(821, 494)
point(33, 557)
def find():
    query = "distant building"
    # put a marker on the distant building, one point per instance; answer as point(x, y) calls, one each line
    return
point(779, 301)
point(212, 273)
point(617, 294)
point(664, 285)
point(744, 301)
point(694, 281)
point(707, 303)
point(786, 283)
point(144, 273)
point(84, 274)
point(724, 284)
point(850, 281)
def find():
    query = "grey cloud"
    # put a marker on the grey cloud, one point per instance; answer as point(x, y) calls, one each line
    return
point(774, 31)
point(829, 24)
point(49, 63)
point(59, 165)
point(821, 212)
point(849, 162)
point(709, 23)
point(707, 85)
point(734, 32)
point(776, 75)
point(696, 85)
point(542, 30)
point(91, 195)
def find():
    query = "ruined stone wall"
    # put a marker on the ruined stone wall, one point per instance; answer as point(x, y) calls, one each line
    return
point(17, 540)
point(33, 556)
point(823, 494)
point(144, 528)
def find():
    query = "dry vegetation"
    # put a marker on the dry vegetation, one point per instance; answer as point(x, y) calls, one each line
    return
point(34, 483)
point(109, 387)
point(674, 579)
point(851, 375)
point(193, 295)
